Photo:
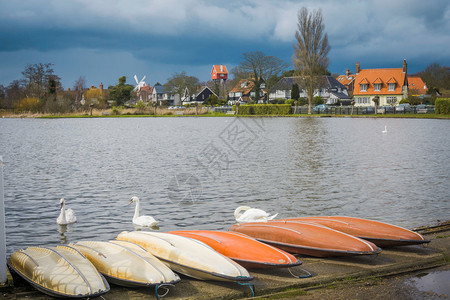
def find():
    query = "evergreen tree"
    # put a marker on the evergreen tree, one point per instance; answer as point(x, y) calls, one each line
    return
point(295, 94)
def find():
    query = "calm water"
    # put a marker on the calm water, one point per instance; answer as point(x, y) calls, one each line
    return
point(193, 172)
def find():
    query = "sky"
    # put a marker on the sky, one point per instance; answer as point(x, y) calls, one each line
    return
point(102, 40)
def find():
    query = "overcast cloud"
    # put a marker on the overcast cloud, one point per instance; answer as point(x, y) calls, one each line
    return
point(103, 40)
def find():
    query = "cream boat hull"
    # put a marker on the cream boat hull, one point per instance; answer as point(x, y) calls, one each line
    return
point(126, 264)
point(60, 271)
point(188, 256)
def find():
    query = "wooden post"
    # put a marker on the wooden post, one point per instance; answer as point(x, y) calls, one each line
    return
point(237, 107)
point(296, 107)
point(3, 276)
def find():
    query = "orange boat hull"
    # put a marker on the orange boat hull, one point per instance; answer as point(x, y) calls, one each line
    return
point(243, 249)
point(379, 233)
point(307, 238)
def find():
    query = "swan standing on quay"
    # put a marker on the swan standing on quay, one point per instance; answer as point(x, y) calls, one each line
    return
point(67, 216)
point(252, 215)
point(144, 221)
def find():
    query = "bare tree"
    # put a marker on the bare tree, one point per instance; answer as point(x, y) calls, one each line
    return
point(310, 53)
point(260, 69)
point(179, 81)
point(79, 86)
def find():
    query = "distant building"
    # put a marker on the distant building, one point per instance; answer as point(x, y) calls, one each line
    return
point(347, 80)
point(219, 72)
point(162, 97)
point(199, 96)
point(416, 86)
point(243, 91)
point(332, 91)
point(390, 85)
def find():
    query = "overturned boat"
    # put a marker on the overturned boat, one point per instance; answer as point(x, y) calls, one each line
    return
point(60, 271)
point(188, 256)
point(379, 233)
point(307, 238)
point(127, 264)
point(243, 249)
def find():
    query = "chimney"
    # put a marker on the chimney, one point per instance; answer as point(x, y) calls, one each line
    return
point(405, 66)
point(357, 68)
point(347, 72)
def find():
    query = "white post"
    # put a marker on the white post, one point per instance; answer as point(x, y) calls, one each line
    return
point(3, 276)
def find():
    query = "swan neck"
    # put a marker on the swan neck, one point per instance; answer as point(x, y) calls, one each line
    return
point(136, 210)
point(63, 214)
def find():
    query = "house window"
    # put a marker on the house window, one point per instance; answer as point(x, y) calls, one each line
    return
point(362, 100)
point(391, 100)
point(377, 87)
point(244, 85)
point(391, 86)
point(363, 87)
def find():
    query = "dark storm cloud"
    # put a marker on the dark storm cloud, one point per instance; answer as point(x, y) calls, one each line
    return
point(166, 36)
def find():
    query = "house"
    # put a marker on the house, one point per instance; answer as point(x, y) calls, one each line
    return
point(202, 94)
point(389, 85)
point(219, 72)
point(347, 80)
point(145, 93)
point(243, 91)
point(162, 97)
point(417, 87)
point(332, 91)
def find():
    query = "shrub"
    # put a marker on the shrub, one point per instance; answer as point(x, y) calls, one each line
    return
point(115, 110)
point(317, 100)
point(404, 101)
point(290, 102)
point(442, 106)
point(28, 104)
point(264, 109)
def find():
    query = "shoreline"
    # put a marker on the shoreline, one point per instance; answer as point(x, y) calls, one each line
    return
point(336, 278)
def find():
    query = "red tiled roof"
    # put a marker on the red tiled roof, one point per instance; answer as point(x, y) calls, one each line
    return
point(220, 70)
point(244, 90)
point(346, 80)
point(383, 76)
point(417, 86)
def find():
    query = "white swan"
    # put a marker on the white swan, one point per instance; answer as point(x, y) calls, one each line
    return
point(251, 215)
point(67, 216)
point(144, 221)
point(385, 129)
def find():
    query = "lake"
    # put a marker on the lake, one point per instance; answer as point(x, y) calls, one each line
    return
point(192, 172)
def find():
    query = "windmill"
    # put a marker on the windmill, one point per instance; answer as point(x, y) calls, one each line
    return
point(140, 84)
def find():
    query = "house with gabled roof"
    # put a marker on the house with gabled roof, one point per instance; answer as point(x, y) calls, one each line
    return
point(161, 96)
point(243, 91)
point(201, 95)
point(416, 86)
point(219, 72)
point(389, 85)
point(347, 80)
point(332, 90)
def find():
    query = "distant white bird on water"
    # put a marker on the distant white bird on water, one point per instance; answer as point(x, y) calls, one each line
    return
point(385, 129)
point(67, 216)
point(144, 221)
point(252, 215)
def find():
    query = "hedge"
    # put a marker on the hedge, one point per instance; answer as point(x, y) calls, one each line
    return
point(442, 106)
point(264, 109)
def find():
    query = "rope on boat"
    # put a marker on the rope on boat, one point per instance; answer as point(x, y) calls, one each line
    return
point(300, 276)
point(164, 285)
point(251, 286)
